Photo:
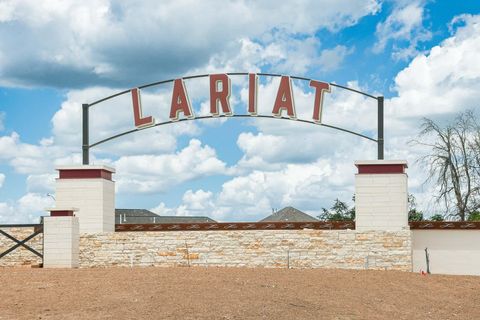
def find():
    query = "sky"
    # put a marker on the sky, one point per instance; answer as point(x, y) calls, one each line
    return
point(423, 56)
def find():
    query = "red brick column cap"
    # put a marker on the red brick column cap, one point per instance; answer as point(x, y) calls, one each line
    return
point(85, 172)
point(62, 212)
point(381, 166)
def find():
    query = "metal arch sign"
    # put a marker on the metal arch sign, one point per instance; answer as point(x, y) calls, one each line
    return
point(220, 91)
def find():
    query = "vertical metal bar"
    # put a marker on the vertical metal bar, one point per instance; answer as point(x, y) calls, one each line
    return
point(380, 128)
point(427, 258)
point(85, 143)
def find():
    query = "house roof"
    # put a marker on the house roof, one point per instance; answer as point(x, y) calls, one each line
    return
point(146, 216)
point(289, 214)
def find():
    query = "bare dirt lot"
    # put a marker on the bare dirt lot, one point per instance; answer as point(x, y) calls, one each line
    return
point(225, 293)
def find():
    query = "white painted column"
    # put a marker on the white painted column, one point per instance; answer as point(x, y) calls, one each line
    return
point(61, 239)
point(92, 191)
point(381, 195)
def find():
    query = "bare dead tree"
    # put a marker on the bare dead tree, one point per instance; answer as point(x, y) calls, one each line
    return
point(453, 163)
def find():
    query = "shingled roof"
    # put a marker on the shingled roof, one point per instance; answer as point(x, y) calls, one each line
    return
point(146, 216)
point(289, 214)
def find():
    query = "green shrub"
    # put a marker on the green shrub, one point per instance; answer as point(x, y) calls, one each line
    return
point(414, 215)
point(437, 217)
point(474, 216)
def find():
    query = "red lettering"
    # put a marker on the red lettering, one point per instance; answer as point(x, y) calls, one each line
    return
point(180, 101)
point(139, 120)
point(284, 100)
point(320, 88)
point(252, 93)
point(220, 96)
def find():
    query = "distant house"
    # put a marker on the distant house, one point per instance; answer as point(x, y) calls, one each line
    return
point(133, 216)
point(289, 214)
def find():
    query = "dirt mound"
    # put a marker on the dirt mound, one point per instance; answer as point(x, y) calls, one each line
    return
point(225, 293)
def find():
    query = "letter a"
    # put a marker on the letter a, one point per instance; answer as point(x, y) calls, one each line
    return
point(320, 88)
point(180, 101)
point(220, 96)
point(284, 99)
point(139, 120)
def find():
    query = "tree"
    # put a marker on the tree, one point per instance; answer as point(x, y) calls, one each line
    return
point(338, 212)
point(453, 163)
point(413, 213)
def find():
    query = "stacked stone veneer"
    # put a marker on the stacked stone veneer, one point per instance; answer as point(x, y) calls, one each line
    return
point(20, 256)
point(347, 249)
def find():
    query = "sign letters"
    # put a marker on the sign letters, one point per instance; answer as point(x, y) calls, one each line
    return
point(220, 92)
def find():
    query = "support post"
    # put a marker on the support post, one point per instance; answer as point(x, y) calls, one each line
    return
point(380, 128)
point(85, 142)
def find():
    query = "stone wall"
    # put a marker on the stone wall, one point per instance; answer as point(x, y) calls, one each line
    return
point(20, 256)
point(347, 249)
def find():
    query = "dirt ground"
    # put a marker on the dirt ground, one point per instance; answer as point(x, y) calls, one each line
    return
point(226, 293)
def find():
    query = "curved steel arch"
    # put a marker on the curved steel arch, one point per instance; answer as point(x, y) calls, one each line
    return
point(85, 114)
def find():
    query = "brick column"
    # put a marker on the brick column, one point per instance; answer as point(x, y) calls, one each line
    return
point(61, 238)
point(92, 191)
point(381, 195)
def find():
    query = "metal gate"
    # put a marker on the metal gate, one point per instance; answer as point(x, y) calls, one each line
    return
point(21, 243)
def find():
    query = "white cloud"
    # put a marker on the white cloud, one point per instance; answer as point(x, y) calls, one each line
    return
point(24, 157)
point(331, 59)
point(2, 179)
point(73, 44)
point(198, 203)
point(28, 208)
point(153, 173)
point(436, 85)
point(41, 183)
point(445, 80)
point(251, 197)
point(281, 142)
point(404, 27)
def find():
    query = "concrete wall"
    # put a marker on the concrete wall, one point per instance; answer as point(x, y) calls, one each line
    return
point(21, 256)
point(347, 249)
point(451, 251)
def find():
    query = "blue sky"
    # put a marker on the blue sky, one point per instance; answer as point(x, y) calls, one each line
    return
point(54, 56)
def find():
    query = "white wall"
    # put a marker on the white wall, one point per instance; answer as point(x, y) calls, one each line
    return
point(451, 251)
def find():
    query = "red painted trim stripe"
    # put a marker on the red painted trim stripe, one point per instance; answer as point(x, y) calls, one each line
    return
point(66, 213)
point(380, 168)
point(85, 174)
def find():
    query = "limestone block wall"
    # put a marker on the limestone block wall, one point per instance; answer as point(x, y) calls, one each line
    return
point(347, 249)
point(20, 256)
